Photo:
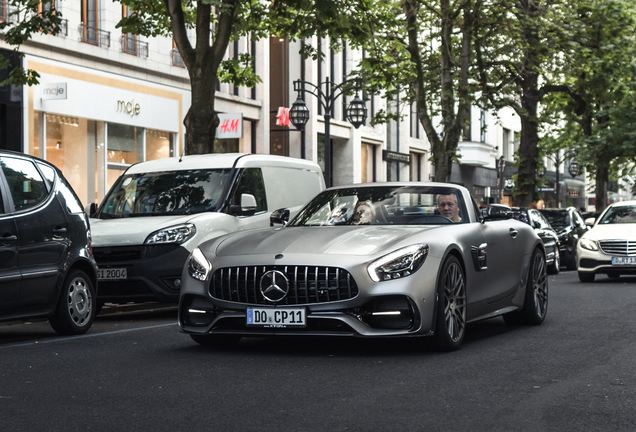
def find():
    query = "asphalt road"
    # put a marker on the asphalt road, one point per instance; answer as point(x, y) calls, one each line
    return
point(135, 371)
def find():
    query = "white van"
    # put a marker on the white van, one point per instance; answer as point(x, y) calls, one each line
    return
point(158, 211)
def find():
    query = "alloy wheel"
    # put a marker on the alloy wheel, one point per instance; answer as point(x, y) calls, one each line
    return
point(455, 302)
point(540, 285)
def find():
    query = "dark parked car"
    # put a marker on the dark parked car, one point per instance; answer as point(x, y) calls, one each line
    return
point(570, 226)
point(548, 235)
point(46, 265)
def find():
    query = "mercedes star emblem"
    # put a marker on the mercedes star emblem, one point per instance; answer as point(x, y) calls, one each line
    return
point(274, 286)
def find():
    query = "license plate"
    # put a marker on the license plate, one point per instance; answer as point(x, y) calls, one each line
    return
point(112, 274)
point(276, 317)
point(623, 260)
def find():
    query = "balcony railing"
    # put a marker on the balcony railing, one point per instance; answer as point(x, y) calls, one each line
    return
point(94, 36)
point(63, 28)
point(176, 58)
point(130, 45)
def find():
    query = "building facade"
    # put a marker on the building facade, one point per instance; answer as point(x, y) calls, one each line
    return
point(107, 100)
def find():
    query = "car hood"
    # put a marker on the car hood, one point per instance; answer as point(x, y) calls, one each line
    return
point(131, 231)
point(612, 231)
point(344, 240)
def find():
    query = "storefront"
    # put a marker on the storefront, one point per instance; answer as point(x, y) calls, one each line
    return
point(93, 125)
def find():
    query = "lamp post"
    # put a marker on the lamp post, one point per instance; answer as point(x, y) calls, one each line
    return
point(356, 111)
point(573, 168)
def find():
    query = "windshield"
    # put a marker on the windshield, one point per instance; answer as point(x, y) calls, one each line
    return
point(384, 205)
point(619, 215)
point(165, 193)
point(557, 218)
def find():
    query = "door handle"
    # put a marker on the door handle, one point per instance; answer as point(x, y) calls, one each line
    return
point(513, 233)
point(59, 231)
point(6, 238)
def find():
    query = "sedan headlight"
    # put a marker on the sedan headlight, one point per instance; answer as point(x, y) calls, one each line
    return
point(177, 234)
point(198, 265)
point(400, 263)
point(588, 244)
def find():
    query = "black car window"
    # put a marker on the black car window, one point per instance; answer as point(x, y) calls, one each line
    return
point(26, 185)
point(521, 215)
point(557, 218)
point(49, 173)
point(251, 182)
point(578, 220)
point(73, 203)
point(1, 202)
point(537, 218)
point(544, 222)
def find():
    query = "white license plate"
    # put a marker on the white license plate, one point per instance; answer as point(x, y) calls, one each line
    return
point(276, 317)
point(623, 260)
point(112, 274)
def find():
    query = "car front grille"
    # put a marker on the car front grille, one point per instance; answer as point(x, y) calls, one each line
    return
point(307, 284)
point(618, 247)
point(109, 255)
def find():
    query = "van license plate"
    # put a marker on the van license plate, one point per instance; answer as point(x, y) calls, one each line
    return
point(276, 317)
point(623, 260)
point(112, 274)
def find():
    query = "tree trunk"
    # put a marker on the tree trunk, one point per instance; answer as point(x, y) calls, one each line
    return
point(602, 178)
point(528, 146)
point(201, 120)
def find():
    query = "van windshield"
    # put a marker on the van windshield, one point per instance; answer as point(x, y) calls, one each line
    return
point(165, 193)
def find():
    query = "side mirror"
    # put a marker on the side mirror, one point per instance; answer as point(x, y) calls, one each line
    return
point(247, 207)
point(497, 212)
point(590, 221)
point(91, 209)
point(280, 216)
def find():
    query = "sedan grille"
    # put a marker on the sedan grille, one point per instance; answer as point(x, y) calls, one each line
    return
point(618, 247)
point(307, 284)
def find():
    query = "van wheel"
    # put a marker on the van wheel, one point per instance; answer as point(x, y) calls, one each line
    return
point(75, 310)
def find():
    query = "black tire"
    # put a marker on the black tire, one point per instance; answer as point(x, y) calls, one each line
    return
point(573, 262)
point(450, 325)
point(216, 341)
point(586, 277)
point(75, 309)
point(99, 304)
point(535, 305)
point(556, 265)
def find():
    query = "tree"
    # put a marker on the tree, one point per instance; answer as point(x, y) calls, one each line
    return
point(600, 72)
point(23, 19)
point(517, 49)
point(423, 52)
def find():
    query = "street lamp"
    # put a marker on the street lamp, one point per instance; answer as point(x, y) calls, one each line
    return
point(573, 169)
point(356, 112)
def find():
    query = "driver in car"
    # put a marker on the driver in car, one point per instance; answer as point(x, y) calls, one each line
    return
point(448, 207)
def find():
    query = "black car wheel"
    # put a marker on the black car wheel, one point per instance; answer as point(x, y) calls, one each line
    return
point(556, 265)
point(451, 306)
point(535, 306)
point(217, 341)
point(75, 308)
point(573, 262)
point(586, 277)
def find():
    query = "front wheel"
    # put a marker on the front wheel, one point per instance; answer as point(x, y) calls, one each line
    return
point(75, 309)
point(586, 277)
point(556, 265)
point(450, 325)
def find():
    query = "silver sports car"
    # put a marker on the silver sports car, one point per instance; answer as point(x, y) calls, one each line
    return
point(372, 260)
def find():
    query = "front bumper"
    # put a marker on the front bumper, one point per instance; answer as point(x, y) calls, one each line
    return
point(600, 262)
point(400, 307)
point(153, 272)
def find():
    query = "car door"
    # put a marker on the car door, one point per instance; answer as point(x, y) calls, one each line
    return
point(42, 227)
point(9, 272)
point(505, 258)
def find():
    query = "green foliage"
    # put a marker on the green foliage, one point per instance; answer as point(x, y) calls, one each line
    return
point(23, 21)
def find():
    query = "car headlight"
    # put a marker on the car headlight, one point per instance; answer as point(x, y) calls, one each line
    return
point(400, 263)
point(588, 244)
point(198, 265)
point(177, 234)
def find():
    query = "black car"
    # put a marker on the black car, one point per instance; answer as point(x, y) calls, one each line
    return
point(47, 268)
point(570, 226)
point(548, 235)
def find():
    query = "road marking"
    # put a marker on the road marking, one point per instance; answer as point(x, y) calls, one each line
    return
point(85, 336)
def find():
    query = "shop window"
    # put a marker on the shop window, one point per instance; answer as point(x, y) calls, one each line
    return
point(26, 185)
point(367, 163)
point(251, 183)
point(125, 147)
point(158, 144)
